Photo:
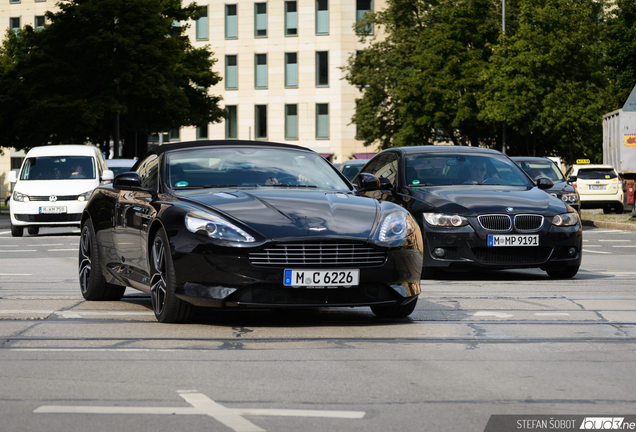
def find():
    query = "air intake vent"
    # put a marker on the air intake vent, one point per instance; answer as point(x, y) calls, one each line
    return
point(318, 255)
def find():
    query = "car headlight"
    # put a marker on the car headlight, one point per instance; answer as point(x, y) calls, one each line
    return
point(395, 226)
point(565, 219)
point(445, 220)
point(84, 196)
point(20, 197)
point(216, 227)
point(568, 197)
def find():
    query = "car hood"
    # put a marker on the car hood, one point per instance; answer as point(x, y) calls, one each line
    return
point(561, 187)
point(55, 187)
point(473, 200)
point(292, 214)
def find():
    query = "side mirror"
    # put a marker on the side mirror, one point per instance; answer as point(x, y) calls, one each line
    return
point(12, 177)
point(367, 182)
point(127, 181)
point(544, 183)
point(385, 183)
point(572, 179)
point(108, 175)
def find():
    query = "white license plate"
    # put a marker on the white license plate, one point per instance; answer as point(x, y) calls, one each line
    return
point(322, 278)
point(597, 187)
point(513, 240)
point(52, 210)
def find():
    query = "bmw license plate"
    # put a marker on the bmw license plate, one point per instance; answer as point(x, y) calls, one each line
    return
point(52, 210)
point(513, 240)
point(322, 278)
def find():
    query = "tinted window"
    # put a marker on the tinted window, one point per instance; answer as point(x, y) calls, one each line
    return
point(596, 174)
point(58, 168)
point(148, 171)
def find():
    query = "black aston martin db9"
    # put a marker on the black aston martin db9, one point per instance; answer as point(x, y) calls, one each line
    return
point(476, 209)
point(246, 224)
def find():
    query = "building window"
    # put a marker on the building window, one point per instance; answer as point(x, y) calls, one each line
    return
point(14, 24)
point(14, 1)
point(291, 121)
point(40, 20)
point(322, 121)
point(202, 132)
point(322, 68)
point(231, 122)
point(291, 70)
point(291, 19)
point(260, 73)
point(174, 135)
point(362, 7)
point(260, 19)
point(231, 22)
point(260, 120)
point(202, 25)
point(322, 17)
point(40, 1)
point(231, 72)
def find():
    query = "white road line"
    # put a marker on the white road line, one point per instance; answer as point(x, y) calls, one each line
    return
point(203, 405)
point(621, 246)
point(599, 252)
point(52, 244)
point(493, 314)
point(552, 314)
point(25, 311)
point(21, 250)
point(61, 250)
point(614, 241)
point(15, 274)
point(587, 246)
point(73, 313)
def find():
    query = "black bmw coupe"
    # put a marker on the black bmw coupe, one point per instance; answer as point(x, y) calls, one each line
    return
point(476, 209)
point(246, 224)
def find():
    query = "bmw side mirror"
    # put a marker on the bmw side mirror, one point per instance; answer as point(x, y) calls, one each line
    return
point(572, 179)
point(127, 181)
point(367, 182)
point(544, 183)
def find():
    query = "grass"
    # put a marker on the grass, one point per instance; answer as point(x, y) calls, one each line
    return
point(600, 216)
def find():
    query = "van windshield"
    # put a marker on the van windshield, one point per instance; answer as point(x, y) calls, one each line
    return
point(58, 168)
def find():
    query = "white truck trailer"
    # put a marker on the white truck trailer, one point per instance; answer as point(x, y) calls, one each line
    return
point(619, 146)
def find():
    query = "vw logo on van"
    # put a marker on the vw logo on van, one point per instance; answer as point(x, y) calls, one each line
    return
point(52, 198)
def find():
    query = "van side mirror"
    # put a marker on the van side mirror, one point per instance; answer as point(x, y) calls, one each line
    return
point(12, 177)
point(108, 175)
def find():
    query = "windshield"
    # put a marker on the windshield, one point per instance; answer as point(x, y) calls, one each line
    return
point(451, 169)
point(542, 169)
point(58, 168)
point(250, 166)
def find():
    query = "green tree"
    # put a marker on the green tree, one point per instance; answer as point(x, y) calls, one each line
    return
point(100, 63)
point(422, 72)
point(620, 42)
point(546, 81)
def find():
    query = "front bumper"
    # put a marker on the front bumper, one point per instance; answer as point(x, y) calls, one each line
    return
point(30, 214)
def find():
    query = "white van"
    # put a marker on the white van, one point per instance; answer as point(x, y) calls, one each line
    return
point(53, 186)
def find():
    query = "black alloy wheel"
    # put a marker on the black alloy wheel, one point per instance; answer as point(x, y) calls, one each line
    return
point(92, 282)
point(167, 307)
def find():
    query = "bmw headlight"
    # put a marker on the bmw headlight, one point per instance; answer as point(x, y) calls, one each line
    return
point(565, 219)
point(568, 197)
point(395, 226)
point(445, 220)
point(20, 197)
point(216, 227)
point(84, 196)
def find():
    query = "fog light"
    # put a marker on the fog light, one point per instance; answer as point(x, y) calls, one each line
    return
point(439, 252)
point(572, 251)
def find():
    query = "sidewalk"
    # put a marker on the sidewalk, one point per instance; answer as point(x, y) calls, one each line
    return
point(594, 218)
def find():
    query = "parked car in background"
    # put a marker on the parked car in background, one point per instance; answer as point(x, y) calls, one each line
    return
point(246, 224)
point(476, 209)
point(599, 186)
point(539, 167)
point(118, 166)
point(352, 167)
point(53, 186)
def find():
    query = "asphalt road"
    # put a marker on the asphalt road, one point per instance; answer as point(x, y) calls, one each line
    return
point(478, 344)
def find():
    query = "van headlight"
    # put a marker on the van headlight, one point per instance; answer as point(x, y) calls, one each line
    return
point(20, 197)
point(85, 196)
point(216, 227)
point(565, 219)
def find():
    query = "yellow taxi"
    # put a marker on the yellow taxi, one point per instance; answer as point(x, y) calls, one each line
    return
point(599, 186)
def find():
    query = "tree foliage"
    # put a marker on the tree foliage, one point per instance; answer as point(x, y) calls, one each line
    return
point(99, 61)
point(620, 45)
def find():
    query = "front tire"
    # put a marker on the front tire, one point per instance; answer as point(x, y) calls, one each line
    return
point(92, 282)
point(16, 231)
point(167, 307)
point(568, 273)
point(618, 209)
point(394, 310)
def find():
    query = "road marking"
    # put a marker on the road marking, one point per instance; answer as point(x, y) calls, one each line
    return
point(203, 405)
point(21, 250)
point(495, 314)
point(52, 244)
point(614, 240)
point(552, 314)
point(587, 246)
point(15, 274)
point(620, 246)
point(599, 252)
point(61, 250)
point(72, 313)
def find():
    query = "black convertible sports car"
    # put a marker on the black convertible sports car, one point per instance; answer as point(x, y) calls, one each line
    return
point(240, 223)
point(477, 208)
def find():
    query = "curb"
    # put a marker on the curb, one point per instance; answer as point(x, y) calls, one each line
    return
point(609, 225)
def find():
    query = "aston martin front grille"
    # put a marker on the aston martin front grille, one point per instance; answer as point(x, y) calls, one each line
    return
point(495, 222)
point(318, 255)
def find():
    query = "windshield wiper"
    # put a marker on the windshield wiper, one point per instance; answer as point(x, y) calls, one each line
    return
point(203, 187)
point(289, 186)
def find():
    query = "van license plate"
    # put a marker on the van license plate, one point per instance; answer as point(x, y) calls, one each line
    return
point(513, 240)
point(322, 278)
point(52, 210)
